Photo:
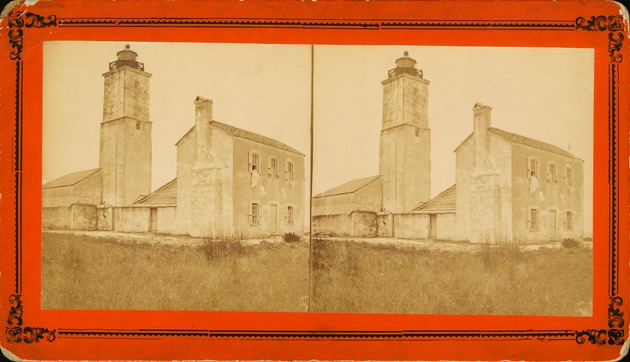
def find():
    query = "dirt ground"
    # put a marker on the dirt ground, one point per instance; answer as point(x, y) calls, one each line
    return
point(425, 244)
point(446, 245)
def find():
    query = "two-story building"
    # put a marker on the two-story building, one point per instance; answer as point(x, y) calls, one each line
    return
point(232, 181)
point(512, 188)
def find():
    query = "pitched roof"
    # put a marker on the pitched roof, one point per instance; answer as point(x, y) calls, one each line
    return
point(70, 179)
point(349, 187)
point(241, 133)
point(167, 194)
point(445, 201)
point(516, 138)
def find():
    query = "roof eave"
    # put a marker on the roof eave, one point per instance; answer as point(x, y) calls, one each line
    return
point(563, 152)
point(320, 195)
point(288, 148)
point(185, 135)
point(462, 143)
point(428, 203)
point(95, 170)
point(156, 191)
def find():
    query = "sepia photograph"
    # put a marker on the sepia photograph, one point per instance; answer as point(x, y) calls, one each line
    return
point(314, 180)
point(175, 176)
point(446, 180)
point(452, 180)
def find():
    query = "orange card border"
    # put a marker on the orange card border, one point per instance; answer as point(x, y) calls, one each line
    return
point(33, 333)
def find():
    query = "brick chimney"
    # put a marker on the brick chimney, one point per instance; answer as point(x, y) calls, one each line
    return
point(207, 218)
point(203, 117)
point(481, 124)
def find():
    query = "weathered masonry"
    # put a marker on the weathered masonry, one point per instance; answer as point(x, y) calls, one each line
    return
point(230, 182)
point(508, 188)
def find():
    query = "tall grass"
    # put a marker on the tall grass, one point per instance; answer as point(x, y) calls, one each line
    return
point(360, 277)
point(84, 272)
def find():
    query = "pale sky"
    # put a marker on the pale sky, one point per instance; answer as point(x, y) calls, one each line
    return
point(542, 93)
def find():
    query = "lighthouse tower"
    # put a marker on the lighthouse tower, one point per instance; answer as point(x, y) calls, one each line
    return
point(125, 149)
point(405, 146)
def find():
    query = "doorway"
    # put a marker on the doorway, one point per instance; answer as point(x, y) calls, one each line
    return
point(433, 226)
point(153, 220)
point(553, 225)
point(273, 219)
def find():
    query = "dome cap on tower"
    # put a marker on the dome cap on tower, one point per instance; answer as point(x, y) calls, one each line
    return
point(126, 58)
point(405, 65)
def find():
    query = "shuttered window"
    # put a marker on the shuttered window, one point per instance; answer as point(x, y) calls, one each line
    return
point(289, 171)
point(568, 176)
point(254, 161)
point(552, 173)
point(532, 219)
point(568, 223)
point(254, 214)
point(273, 167)
point(532, 167)
point(290, 216)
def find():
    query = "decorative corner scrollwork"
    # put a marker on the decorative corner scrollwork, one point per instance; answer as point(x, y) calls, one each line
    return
point(600, 23)
point(612, 23)
point(600, 337)
point(615, 315)
point(614, 45)
point(614, 335)
point(15, 311)
point(16, 333)
point(22, 19)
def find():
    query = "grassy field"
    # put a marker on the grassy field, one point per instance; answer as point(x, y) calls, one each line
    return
point(83, 272)
point(361, 277)
point(86, 272)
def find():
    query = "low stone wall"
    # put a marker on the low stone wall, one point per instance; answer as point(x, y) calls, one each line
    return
point(131, 219)
point(385, 224)
point(411, 226)
point(446, 226)
point(166, 220)
point(73, 217)
point(83, 217)
point(364, 224)
point(357, 224)
point(332, 225)
point(135, 219)
point(370, 224)
point(56, 217)
point(417, 226)
point(104, 218)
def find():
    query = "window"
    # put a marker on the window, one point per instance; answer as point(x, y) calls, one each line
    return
point(273, 167)
point(552, 173)
point(533, 219)
point(137, 124)
point(533, 174)
point(568, 224)
point(254, 161)
point(532, 167)
point(568, 176)
point(254, 214)
point(289, 171)
point(290, 215)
